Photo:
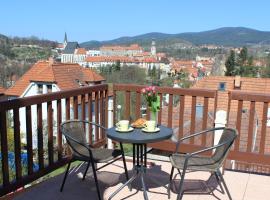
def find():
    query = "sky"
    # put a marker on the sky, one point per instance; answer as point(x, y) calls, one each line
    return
point(85, 20)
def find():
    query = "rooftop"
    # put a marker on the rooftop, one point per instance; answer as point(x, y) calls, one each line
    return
point(63, 74)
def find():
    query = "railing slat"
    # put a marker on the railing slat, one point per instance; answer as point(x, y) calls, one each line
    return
point(250, 126)
point(238, 124)
point(40, 137)
point(50, 131)
point(4, 148)
point(96, 116)
point(263, 131)
point(127, 105)
point(160, 110)
point(17, 143)
point(83, 106)
point(101, 111)
point(29, 139)
point(205, 118)
point(106, 108)
point(59, 134)
point(181, 116)
point(193, 118)
point(67, 108)
point(170, 110)
point(75, 107)
point(114, 107)
point(138, 105)
point(90, 134)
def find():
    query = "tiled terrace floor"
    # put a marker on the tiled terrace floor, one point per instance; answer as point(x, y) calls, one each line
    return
point(243, 186)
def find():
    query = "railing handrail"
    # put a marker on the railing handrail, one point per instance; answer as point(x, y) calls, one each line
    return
point(42, 98)
point(168, 90)
point(248, 96)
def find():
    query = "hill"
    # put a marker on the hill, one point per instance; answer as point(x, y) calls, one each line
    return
point(227, 36)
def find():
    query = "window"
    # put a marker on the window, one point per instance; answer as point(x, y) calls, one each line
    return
point(39, 88)
point(49, 87)
point(222, 86)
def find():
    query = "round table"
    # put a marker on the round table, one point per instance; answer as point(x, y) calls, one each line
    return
point(139, 139)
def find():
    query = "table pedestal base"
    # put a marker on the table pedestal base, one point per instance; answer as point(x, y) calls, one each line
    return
point(139, 169)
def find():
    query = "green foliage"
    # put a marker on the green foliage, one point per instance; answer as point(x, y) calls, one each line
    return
point(127, 74)
point(230, 64)
point(243, 56)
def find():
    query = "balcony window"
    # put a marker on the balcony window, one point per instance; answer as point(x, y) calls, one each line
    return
point(222, 86)
point(49, 87)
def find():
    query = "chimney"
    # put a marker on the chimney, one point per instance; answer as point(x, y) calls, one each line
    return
point(51, 61)
point(237, 82)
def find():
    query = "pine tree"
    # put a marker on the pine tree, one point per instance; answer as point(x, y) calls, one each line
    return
point(230, 64)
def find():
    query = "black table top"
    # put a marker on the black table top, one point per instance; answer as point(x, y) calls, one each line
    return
point(137, 136)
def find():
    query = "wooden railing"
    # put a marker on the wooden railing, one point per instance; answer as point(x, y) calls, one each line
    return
point(82, 103)
point(248, 114)
point(177, 110)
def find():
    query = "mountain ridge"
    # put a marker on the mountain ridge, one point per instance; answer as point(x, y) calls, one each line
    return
point(224, 36)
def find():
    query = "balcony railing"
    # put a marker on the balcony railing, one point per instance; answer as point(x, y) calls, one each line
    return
point(80, 103)
point(185, 110)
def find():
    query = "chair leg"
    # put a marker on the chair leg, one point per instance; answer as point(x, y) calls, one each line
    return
point(88, 164)
point(225, 186)
point(180, 192)
point(124, 160)
point(64, 180)
point(96, 180)
point(169, 185)
point(219, 182)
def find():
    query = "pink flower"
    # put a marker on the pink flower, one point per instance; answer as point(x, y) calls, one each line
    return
point(153, 88)
point(149, 94)
point(148, 89)
point(143, 90)
point(154, 91)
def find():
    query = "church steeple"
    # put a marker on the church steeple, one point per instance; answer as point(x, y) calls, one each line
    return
point(65, 40)
point(153, 48)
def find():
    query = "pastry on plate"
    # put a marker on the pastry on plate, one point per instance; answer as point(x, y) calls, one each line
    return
point(139, 123)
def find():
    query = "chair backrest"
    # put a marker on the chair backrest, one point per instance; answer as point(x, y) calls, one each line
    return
point(227, 138)
point(74, 130)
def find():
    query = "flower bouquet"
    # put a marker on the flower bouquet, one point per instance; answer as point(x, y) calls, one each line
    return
point(152, 99)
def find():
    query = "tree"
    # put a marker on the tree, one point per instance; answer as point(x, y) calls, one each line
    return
point(243, 56)
point(230, 64)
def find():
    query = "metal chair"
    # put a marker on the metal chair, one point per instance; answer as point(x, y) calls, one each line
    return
point(74, 132)
point(196, 162)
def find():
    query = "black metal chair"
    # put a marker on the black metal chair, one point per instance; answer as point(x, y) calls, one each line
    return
point(195, 162)
point(75, 134)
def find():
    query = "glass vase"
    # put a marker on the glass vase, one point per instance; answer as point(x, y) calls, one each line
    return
point(154, 116)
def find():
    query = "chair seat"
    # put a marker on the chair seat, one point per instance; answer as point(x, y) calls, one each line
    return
point(200, 163)
point(100, 154)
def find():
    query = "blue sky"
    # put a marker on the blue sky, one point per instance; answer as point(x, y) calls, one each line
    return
point(85, 20)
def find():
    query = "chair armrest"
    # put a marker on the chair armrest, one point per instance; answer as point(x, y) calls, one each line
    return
point(194, 135)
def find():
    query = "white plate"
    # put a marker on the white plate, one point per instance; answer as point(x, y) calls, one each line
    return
point(156, 130)
point(130, 129)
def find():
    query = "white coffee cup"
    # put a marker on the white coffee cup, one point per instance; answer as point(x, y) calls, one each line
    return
point(150, 125)
point(123, 125)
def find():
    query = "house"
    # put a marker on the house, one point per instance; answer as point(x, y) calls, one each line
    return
point(67, 55)
point(101, 61)
point(131, 50)
point(224, 84)
point(46, 77)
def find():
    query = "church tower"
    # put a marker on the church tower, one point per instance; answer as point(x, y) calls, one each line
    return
point(153, 48)
point(65, 41)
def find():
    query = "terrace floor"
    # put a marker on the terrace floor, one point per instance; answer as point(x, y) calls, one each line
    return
point(243, 186)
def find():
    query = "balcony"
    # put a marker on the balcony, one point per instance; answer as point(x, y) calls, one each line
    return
point(184, 110)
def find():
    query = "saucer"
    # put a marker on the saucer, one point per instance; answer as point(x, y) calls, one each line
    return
point(130, 129)
point(154, 131)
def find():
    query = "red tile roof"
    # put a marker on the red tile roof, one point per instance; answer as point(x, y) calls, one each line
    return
point(66, 76)
point(121, 48)
point(2, 90)
point(80, 51)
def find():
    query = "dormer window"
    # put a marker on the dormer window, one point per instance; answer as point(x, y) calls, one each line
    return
point(222, 86)
point(237, 82)
point(39, 88)
point(49, 88)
